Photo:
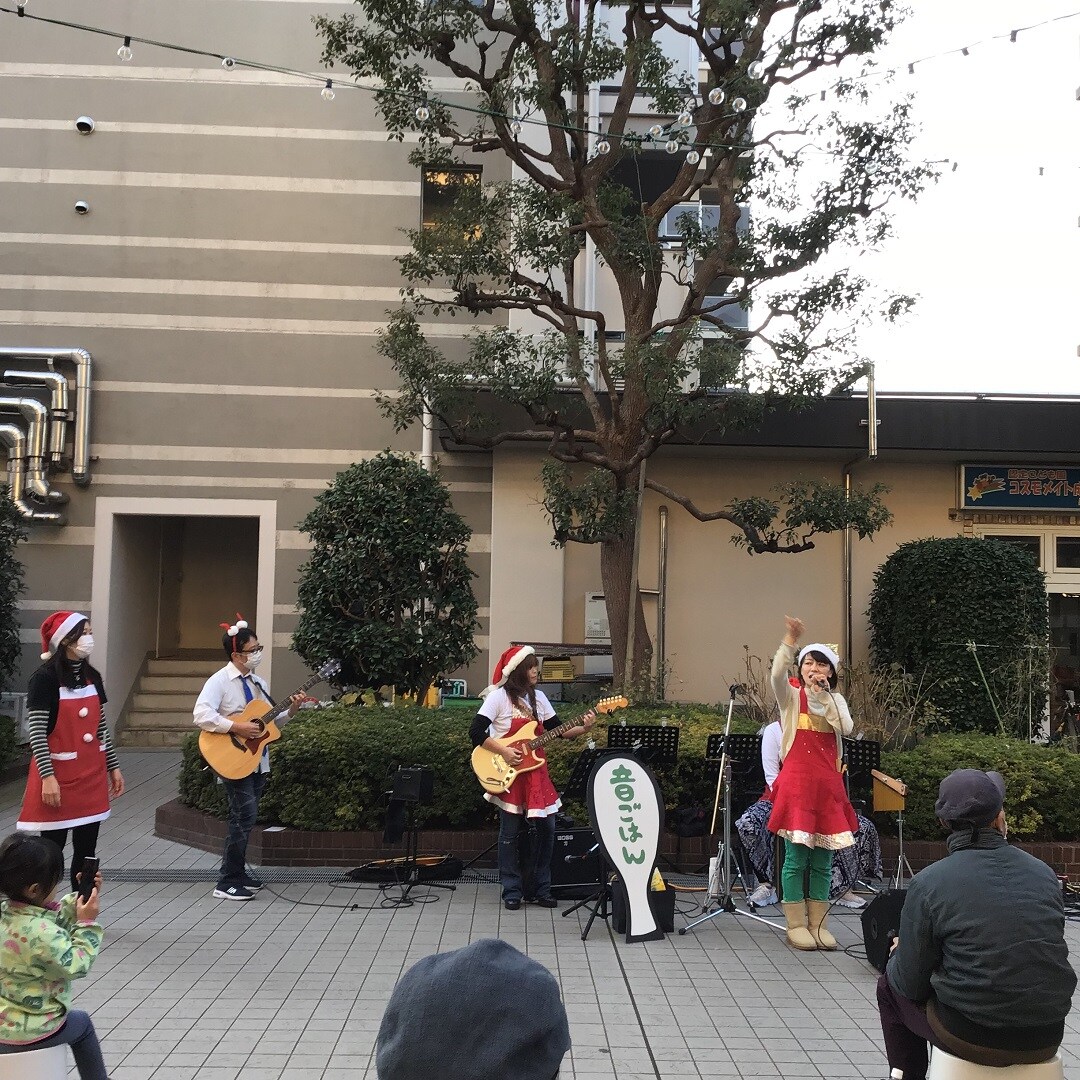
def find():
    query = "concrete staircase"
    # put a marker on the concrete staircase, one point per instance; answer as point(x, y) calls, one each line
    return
point(159, 710)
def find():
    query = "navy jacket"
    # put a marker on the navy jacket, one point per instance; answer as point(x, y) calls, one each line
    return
point(983, 931)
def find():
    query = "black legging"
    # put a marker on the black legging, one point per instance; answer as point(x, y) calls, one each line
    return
point(83, 842)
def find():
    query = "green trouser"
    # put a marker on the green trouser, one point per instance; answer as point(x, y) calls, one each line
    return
point(796, 858)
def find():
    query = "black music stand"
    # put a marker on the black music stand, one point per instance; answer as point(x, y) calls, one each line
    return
point(719, 896)
point(599, 904)
point(653, 744)
point(747, 782)
point(862, 757)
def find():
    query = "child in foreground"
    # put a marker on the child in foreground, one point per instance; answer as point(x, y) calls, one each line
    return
point(43, 946)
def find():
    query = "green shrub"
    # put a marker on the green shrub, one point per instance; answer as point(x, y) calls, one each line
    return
point(8, 745)
point(333, 767)
point(935, 600)
point(1040, 803)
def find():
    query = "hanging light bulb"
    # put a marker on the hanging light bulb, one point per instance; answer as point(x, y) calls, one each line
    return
point(124, 52)
point(756, 70)
point(228, 63)
point(693, 157)
point(716, 96)
point(739, 104)
point(603, 146)
point(22, 8)
point(656, 131)
point(686, 118)
point(515, 126)
point(328, 90)
point(422, 113)
point(672, 146)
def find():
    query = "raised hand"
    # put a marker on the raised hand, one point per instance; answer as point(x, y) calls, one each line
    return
point(795, 628)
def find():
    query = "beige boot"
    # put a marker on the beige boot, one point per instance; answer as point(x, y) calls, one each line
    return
point(797, 934)
point(819, 916)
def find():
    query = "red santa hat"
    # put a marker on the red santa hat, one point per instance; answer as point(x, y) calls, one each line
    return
point(57, 627)
point(507, 662)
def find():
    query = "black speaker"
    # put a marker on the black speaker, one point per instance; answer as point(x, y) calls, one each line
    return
point(414, 783)
point(880, 924)
point(575, 873)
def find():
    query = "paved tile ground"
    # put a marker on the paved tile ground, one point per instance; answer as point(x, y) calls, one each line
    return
point(293, 984)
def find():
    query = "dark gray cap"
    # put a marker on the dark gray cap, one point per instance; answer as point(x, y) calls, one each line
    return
point(484, 1012)
point(970, 797)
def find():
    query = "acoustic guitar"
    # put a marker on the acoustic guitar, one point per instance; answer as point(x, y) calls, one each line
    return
point(233, 757)
point(491, 768)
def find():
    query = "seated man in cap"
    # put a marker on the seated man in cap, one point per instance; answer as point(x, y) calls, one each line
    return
point(484, 1012)
point(980, 968)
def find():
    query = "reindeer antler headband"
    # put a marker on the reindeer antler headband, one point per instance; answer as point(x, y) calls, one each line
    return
point(236, 627)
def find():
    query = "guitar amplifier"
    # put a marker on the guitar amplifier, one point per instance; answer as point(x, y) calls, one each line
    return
point(580, 876)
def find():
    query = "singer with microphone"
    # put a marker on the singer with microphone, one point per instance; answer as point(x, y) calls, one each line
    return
point(810, 810)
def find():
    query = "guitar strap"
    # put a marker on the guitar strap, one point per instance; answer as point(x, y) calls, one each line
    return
point(249, 696)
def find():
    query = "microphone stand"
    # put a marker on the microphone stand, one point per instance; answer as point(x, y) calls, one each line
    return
point(721, 880)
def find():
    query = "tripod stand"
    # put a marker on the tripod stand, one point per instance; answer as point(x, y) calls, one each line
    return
point(599, 904)
point(902, 863)
point(721, 878)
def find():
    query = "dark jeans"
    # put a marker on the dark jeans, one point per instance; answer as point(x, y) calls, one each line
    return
point(510, 874)
point(243, 796)
point(78, 1033)
point(906, 1031)
point(83, 841)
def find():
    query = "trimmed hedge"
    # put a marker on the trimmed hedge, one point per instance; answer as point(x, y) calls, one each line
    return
point(333, 768)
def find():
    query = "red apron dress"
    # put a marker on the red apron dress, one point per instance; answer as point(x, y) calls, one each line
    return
point(810, 805)
point(532, 793)
point(78, 761)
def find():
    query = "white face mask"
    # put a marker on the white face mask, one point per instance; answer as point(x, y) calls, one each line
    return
point(84, 646)
point(253, 660)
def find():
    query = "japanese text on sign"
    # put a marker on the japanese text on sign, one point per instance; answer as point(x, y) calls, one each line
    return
point(623, 780)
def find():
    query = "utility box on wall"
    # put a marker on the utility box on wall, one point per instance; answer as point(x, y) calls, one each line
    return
point(597, 632)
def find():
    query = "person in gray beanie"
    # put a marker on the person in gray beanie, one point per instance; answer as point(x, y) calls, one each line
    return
point(980, 969)
point(484, 1012)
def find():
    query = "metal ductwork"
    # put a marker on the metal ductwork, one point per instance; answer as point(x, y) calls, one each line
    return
point(37, 421)
point(83, 369)
point(58, 407)
point(13, 437)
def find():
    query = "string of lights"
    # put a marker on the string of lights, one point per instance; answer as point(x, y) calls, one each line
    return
point(673, 136)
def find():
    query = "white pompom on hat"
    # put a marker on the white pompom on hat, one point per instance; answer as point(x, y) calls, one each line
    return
point(55, 628)
point(829, 654)
point(507, 662)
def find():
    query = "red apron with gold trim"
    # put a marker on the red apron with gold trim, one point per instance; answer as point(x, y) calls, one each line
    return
point(532, 793)
point(78, 761)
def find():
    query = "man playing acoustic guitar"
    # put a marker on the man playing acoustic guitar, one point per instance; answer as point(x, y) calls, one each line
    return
point(511, 702)
point(226, 693)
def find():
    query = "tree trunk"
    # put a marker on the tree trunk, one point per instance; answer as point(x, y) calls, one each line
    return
point(616, 557)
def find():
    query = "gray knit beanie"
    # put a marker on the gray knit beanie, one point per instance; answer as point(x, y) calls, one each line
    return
point(484, 1012)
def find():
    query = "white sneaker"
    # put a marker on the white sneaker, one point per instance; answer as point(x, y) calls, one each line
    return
point(763, 895)
point(850, 900)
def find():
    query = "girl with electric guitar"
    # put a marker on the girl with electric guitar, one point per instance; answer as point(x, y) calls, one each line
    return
point(511, 702)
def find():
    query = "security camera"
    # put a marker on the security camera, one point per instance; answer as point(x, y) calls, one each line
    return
point(228, 63)
point(84, 125)
point(82, 207)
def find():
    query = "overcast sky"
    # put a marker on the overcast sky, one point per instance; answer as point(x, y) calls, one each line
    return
point(992, 250)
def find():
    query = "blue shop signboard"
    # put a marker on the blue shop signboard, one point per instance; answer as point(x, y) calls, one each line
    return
point(1019, 487)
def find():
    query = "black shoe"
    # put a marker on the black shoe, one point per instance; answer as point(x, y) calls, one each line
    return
point(543, 901)
point(252, 884)
point(511, 905)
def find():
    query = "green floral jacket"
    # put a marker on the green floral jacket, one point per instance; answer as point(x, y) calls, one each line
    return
point(41, 951)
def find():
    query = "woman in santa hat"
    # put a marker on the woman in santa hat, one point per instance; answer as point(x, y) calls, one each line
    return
point(509, 703)
point(75, 769)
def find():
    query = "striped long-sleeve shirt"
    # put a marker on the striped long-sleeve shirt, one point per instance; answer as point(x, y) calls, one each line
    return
point(42, 701)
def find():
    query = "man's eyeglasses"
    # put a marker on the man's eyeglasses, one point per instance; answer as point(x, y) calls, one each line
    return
point(251, 652)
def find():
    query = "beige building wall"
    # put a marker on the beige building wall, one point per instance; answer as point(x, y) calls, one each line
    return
point(230, 281)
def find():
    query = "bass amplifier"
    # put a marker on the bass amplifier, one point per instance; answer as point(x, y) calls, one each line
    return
point(575, 868)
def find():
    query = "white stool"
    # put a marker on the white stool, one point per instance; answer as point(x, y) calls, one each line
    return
point(49, 1063)
point(944, 1066)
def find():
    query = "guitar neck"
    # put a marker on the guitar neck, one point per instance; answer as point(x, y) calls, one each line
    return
point(283, 706)
point(554, 733)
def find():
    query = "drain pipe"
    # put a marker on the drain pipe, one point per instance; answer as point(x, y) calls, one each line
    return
point(661, 609)
point(871, 423)
point(13, 437)
point(83, 369)
point(37, 420)
point(58, 406)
